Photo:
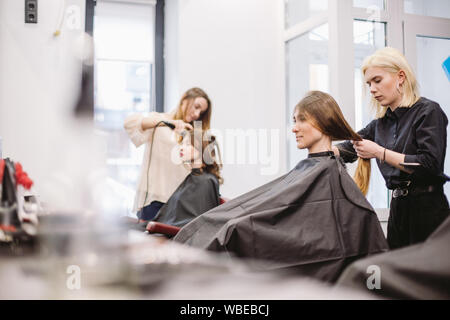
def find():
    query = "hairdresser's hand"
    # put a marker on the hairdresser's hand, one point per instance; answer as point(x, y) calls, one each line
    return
point(181, 126)
point(367, 149)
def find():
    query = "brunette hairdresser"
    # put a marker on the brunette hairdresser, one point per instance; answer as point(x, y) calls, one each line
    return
point(408, 139)
point(323, 112)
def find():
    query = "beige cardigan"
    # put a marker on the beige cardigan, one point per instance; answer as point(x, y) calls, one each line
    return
point(166, 172)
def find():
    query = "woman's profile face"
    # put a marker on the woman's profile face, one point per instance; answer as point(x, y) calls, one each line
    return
point(188, 153)
point(306, 135)
point(384, 86)
point(193, 110)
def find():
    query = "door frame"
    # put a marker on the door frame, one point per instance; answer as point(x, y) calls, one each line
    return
point(422, 26)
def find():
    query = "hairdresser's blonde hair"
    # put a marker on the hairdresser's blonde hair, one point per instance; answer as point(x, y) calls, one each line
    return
point(393, 61)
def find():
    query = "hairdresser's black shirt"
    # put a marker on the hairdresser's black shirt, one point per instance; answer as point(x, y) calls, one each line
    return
point(419, 132)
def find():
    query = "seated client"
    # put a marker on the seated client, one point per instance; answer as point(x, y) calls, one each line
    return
point(199, 192)
point(313, 220)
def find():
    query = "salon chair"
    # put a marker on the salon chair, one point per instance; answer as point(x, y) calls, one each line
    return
point(154, 227)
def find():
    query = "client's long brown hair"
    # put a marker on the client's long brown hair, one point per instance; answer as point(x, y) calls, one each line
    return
point(211, 162)
point(323, 112)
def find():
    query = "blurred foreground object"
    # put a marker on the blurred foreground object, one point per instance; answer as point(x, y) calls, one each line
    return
point(18, 210)
point(420, 271)
point(138, 266)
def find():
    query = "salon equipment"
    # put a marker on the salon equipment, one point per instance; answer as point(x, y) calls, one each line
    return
point(157, 227)
point(170, 125)
point(17, 226)
point(9, 219)
point(165, 229)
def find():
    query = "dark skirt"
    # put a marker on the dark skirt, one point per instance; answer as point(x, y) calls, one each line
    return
point(147, 213)
point(413, 218)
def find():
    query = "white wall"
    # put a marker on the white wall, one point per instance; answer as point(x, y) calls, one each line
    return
point(171, 54)
point(40, 78)
point(233, 49)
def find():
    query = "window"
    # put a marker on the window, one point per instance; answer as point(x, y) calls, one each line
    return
point(433, 8)
point(124, 68)
point(369, 3)
point(300, 10)
point(368, 36)
point(419, 28)
point(434, 84)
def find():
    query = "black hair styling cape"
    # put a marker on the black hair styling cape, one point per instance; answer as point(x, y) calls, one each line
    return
point(313, 220)
point(420, 271)
point(198, 193)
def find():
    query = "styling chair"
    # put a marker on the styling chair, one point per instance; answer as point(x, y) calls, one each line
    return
point(167, 230)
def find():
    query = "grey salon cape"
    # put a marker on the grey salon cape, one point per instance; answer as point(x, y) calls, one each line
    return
point(198, 193)
point(314, 220)
point(420, 271)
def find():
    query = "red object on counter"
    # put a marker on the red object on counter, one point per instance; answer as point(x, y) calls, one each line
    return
point(2, 169)
point(8, 228)
point(22, 177)
point(158, 227)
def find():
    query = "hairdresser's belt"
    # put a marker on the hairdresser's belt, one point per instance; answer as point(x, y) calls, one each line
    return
point(415, 190)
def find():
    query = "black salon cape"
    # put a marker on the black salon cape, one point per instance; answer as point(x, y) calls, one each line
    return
point(198, 193)
point(421, 271)
point(314, 220)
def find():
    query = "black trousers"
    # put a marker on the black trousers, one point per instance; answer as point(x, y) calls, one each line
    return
point(414, 217)
point(150, 211)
